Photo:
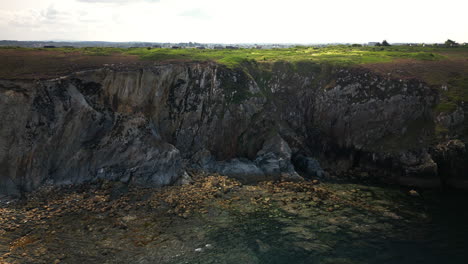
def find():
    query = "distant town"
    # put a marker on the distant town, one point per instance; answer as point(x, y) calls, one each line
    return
point(187, 45)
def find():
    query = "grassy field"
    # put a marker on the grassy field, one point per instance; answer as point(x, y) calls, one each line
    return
point(341, 55)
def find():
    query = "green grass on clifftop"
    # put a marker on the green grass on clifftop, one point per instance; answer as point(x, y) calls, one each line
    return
point(341, 55)
point(40, 62)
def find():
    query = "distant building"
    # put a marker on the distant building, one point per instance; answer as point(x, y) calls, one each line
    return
point(372, 43)
point(200, 47)
point(175, 47)
point(232, 47)
point(218, 47)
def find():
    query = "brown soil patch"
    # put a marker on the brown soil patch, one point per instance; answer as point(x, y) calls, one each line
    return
point(433, 72)
point(44, 64)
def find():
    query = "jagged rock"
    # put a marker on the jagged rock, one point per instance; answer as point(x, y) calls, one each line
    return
point(184, 179)
point(273, 162)
point(361, 109)
point(419, 169)
point(451, 120)
point(275, 158)
point(201, 159)
point(310, 166)
point(139, 125)
point(64, 136)
point(243, 170)
point(452, 161)
point(269, 163)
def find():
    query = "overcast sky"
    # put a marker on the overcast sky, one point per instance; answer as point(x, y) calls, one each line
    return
point(235, 21)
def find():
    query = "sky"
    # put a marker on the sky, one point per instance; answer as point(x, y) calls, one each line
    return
point(235, 21)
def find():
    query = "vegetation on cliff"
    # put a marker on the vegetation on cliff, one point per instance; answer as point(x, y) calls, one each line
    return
point(342, 54)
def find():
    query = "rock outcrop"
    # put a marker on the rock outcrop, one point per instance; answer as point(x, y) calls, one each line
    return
point(146, 126)
point(451, 158)
point(53, 132)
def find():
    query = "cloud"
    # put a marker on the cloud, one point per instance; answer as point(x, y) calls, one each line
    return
point(52, 15)
point(50, 18)
point(117, 1)
point(195, 13)
point(35, 18)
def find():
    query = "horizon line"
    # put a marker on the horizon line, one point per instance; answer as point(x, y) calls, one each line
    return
point(235, 43)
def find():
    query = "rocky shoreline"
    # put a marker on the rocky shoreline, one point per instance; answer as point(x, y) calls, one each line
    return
point(214, 219)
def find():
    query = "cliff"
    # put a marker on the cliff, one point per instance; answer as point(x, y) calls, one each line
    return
point(148, 125)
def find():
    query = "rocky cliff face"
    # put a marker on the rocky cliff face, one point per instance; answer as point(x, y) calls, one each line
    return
point(147, 126)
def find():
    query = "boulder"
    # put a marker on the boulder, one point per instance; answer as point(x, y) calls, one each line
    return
point(274, 159)
point(452, 161)
point(419, 169)
point(241, 169)
point(273, 162)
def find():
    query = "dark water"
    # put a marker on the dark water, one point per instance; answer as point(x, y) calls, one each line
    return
point(445, 237)
point(431, 228)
